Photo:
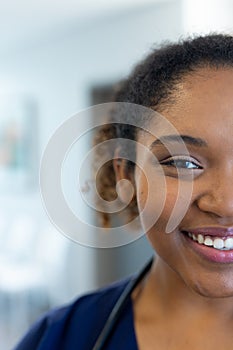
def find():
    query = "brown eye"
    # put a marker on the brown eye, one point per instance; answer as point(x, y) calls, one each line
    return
point(181, 163)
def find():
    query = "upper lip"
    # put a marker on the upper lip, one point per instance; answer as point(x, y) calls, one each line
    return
point(212, 231)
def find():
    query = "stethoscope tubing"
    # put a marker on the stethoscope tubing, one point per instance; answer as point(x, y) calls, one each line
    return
point(119, 306)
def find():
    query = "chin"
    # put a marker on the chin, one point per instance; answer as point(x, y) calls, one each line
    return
point(213, 291)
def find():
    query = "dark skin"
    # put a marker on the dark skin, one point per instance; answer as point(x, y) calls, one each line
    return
point(186, 300)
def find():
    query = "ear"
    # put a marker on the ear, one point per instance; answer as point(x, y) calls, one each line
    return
point(125, 185)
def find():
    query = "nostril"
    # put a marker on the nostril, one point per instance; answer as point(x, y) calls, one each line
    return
point(217, 206)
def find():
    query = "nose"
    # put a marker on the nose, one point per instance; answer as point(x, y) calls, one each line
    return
point(217, 197)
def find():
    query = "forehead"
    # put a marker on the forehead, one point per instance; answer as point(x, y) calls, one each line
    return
point(202, 105)
point(201, 108)
point(203, 97)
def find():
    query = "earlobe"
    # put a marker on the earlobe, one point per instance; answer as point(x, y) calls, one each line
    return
point(124, 184)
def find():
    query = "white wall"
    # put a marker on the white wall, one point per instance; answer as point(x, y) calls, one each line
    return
point(58, 75)
point(207, 16)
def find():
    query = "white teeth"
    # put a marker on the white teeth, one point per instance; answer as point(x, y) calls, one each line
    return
point(228, 243)
point(218, 243)
point(208, 241)
point(215, 242)
point(200, 238)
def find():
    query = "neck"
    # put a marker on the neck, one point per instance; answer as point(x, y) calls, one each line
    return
point(166, 292)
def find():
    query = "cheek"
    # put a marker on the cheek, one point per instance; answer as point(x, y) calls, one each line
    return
point(156, 198)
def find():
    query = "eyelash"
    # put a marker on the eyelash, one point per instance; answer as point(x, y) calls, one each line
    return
point(173, 162)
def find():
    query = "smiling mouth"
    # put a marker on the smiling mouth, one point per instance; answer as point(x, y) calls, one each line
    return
point(218, 243)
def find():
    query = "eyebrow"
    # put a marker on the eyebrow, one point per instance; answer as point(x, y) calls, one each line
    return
point(193, 141)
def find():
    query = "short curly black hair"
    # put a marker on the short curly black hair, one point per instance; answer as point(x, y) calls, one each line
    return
point(152, 84)
point(153, 79)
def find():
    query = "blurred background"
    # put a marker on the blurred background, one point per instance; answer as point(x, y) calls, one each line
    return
point(57, 58)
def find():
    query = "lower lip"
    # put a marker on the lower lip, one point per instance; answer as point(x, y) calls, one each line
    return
point(215, 255)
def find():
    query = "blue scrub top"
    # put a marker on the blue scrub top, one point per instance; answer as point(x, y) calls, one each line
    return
point(78, 325)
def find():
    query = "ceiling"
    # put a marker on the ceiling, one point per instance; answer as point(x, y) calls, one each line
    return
point(26, 21)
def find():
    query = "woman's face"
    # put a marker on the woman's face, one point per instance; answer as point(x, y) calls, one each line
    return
point(203, 112)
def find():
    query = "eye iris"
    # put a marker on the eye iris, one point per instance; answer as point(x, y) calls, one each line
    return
point(182, 163)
